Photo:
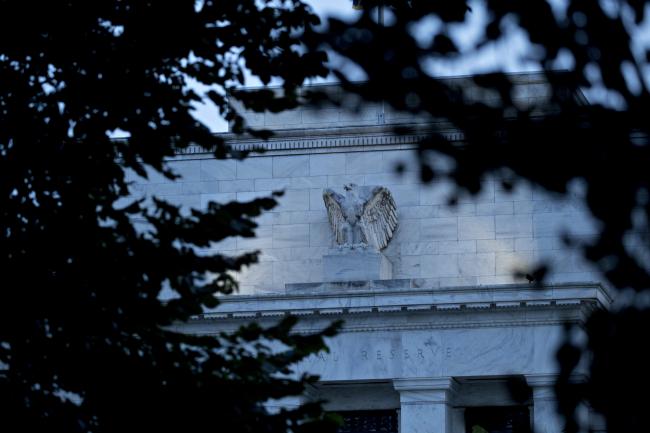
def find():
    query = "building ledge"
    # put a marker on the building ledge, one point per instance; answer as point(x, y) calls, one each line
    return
point(399, 296)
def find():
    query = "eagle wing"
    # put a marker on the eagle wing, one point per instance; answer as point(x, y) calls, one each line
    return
point(333, 202)
point(379, 217)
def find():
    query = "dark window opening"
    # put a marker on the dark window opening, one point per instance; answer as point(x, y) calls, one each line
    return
point(369, 421)
point(500, 419)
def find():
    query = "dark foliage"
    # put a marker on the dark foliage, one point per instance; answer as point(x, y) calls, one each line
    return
point(601, 144)
point(85, 343)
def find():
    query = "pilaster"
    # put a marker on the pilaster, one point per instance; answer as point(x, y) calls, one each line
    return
point(545, 416)
point(426, 404)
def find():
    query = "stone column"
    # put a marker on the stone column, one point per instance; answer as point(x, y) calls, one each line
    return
point(545, 416)
point(425, 404)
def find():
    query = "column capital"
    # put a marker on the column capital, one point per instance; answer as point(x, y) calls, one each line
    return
point(425, 404)
point(541, 380)
point(438, 390)
point(423, 384)
point(549, 379)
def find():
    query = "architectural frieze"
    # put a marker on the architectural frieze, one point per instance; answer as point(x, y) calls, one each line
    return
point(346, 137)
point(390, 302)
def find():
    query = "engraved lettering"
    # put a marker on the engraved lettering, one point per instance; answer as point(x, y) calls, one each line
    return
point(392, 354)
point(379, 354)
point(364, 354)
point(449, 352)
point(406, 354)
point(420, 354)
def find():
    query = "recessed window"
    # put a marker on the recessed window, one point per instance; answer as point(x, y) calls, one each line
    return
point(369, 421)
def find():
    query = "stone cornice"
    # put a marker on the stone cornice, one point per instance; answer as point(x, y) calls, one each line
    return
point(404, 287)
point(330, 138)
point(448, 308)
point(383, 324)
point(575, 297)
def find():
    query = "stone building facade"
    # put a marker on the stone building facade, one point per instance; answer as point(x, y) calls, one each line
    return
point(432, 347)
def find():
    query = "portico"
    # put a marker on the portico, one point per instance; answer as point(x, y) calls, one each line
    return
point(435, 356)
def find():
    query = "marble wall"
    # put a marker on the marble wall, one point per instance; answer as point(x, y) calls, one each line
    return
point(481, 241)
point(453, 323)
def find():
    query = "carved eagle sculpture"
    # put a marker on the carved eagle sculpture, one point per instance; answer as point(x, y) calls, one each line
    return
point(364, 216)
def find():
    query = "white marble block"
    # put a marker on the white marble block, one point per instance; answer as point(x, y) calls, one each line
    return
point(356, 265)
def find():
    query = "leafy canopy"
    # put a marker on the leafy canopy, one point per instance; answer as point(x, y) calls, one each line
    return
point(85, 342)
point(596, 48)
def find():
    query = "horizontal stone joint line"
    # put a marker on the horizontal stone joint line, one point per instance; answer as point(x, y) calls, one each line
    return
point(306, 143)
